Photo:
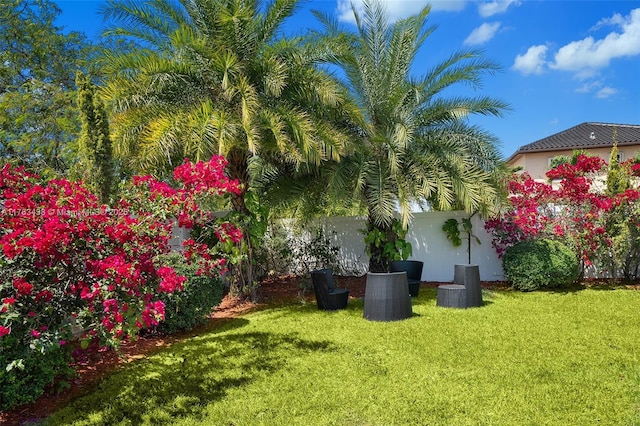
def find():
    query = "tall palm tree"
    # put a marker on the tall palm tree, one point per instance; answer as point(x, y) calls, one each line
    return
point(217, 77)
point(417, 144)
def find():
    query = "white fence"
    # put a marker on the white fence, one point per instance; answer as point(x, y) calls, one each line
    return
point(429, 242)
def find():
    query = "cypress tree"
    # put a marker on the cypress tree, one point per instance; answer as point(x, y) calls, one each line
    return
point(617, 178)
point(622, 234)
point(95, 143)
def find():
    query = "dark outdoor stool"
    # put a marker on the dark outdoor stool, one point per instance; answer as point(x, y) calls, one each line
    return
point(413, 268)
point(328, 297)
point(452, 296)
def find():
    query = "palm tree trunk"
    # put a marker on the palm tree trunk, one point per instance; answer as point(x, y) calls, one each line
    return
point(242, 276)
point(237, 169)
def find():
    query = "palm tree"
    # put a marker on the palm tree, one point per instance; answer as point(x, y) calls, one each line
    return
point(416, 144)
point(216, 77)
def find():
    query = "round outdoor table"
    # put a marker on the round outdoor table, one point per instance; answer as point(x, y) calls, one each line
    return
point(386, 297)
point(452, 296)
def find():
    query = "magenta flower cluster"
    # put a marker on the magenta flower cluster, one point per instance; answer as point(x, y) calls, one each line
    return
point(70, 267)
point(569, 209)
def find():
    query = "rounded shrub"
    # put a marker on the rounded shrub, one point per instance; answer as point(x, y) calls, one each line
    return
point(542, 263)
point(192, 306)
point(32, 375)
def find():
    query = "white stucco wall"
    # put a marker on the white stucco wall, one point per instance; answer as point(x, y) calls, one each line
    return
point(429, 243)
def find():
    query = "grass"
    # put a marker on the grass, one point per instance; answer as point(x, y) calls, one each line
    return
point(538, 358)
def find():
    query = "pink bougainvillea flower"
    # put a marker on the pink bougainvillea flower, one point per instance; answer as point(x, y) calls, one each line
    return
point(44, 296)
point(23, 287)
point(153, 313)
point(65, 245)
point(9, 301)
point(171, 281)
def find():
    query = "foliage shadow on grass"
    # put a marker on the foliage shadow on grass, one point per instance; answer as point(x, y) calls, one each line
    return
point(183, 380)
point(221, 326)
point(606, 285)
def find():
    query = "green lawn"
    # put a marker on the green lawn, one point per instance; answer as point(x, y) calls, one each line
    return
point(522, 359)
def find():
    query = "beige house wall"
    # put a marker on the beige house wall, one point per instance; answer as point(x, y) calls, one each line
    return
point(537, 163)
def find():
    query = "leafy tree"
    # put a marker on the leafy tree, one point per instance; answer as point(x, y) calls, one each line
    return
point(303, 194)
point(216, 77)
point(415, 144)
point(38, 120)
point(96, 163)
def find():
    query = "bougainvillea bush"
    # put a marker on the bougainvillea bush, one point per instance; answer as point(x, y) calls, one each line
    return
point(572, 209)
point(72, 268)
point(186, 309)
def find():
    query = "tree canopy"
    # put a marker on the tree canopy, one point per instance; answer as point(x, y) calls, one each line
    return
point(94, 145)
point(218, 77)
point(38, 119)
point(416, 144)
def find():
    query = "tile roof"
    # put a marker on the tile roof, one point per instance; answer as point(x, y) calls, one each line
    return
point(585, 136)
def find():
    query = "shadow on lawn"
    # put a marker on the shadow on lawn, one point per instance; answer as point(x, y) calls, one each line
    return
point(183, 380)
point(594, 284)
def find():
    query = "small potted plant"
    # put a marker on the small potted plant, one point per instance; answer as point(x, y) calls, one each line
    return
point(467, 275)
point(387, 295)
point(452, 228)
point(385, 246)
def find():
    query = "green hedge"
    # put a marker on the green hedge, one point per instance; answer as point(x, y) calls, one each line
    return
point(192, 306)
point(533, 264)
point(24, 383)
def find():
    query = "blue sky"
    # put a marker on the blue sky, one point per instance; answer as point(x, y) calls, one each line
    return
point(564, 62)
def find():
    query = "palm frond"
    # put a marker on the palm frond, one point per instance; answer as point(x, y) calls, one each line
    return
point(149, 22)
point(277, 12)
point(462, 67)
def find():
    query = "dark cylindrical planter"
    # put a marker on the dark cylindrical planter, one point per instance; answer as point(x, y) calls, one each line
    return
point(469, 276)
point(386, 297)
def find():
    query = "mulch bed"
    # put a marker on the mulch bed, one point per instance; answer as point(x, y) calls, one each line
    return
point(97, 363)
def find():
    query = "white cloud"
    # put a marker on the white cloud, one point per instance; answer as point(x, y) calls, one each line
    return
point(597, 87)
point(606, 92)
point(585, 74)
point(589, 86)
point(398, 9)
point(533, 61)
point(590, 53)
point(494, 7)
point(483, 33)
point(344, 12)
point(615, 20)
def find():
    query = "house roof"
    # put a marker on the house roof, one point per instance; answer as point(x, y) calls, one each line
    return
point(584, 136)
